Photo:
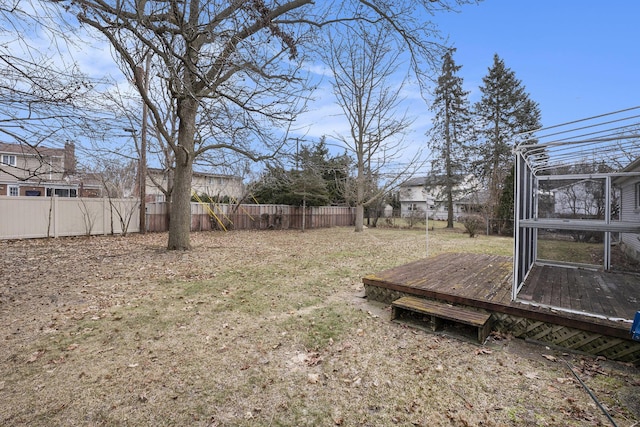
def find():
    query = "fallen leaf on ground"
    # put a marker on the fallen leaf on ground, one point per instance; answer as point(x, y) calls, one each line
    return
point(35, 356)
point(313, 359)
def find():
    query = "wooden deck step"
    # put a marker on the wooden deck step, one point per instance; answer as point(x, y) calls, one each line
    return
point(439, 311)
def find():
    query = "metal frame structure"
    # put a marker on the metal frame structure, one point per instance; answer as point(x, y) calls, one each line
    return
point(611, 139)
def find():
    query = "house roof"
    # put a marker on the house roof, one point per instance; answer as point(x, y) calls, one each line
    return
point(195, 173)
point(28, 150)
point(633, 166)
point(632, 169)
point(415, 182)
point(611, 140)
point(432, 179)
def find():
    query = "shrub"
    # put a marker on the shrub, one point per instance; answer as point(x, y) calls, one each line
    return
point(472, 224)
point(415, 217)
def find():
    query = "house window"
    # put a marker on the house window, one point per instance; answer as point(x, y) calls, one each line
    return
point(14, 191)
point(638, 195)
point(62, 192)
point(9, 159)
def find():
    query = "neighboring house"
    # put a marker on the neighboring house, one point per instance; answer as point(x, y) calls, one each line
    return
point(415, 193)
point(213, 185)
point(42, 172)
point(630, 208)
point(413, 197)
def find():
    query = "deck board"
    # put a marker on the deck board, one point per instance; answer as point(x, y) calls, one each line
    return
point(485, 281)
point(581, 301)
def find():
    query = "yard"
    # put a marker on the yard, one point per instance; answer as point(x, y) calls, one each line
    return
point(265, 329)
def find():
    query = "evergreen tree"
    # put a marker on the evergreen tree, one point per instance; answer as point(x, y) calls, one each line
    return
point(304, 187)
point(333, 169)
point(504, 111)
point(274, 187)
point(450, 133)
point(337, 176)
point(317, 180)
point(506, 209)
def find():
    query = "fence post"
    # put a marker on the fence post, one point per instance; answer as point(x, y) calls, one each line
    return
point(105, 221)
point(56, 212)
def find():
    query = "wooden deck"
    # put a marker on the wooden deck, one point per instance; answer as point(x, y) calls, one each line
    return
point(614, 295)
point(594, 302)
point(456, 278)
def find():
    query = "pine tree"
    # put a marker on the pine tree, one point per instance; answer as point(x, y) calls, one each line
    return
point(506, 208)
point(333, 169)
point(504, 111)
point(318, 179)
point(450, 133)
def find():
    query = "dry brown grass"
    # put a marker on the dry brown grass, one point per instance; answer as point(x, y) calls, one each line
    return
point(263, 329)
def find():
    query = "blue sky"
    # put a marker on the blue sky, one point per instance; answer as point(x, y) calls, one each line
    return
point(577, 59)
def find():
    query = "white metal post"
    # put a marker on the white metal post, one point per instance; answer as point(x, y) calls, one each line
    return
point(516, 226)
point(607, 219)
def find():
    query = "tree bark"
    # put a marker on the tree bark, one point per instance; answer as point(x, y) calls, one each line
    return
point(359, 218)
point(180, 209)
point(360, 183)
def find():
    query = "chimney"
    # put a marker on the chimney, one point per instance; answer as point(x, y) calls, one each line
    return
point(69, 158)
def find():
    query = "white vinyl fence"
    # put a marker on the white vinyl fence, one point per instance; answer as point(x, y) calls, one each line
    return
point(36, 217)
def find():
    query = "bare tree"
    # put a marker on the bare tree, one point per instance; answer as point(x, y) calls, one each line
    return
point(365, 64)
point(45, 99)
point(120, 181)
point(119, 177)
point(88, 217)
point(234, 64)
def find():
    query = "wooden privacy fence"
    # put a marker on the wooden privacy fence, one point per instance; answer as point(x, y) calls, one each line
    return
point(252, 217)
point(37, 217)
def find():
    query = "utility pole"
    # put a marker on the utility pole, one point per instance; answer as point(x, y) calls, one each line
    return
point(142, 79)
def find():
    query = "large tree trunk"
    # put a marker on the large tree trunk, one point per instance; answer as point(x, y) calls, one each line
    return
point(180, 224)
point(180, 209)
point(360, 192)
point(359, 217)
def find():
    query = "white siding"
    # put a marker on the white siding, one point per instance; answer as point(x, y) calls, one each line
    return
point(630, 212)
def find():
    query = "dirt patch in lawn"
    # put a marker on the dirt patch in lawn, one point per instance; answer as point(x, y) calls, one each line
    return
point(264, 328)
